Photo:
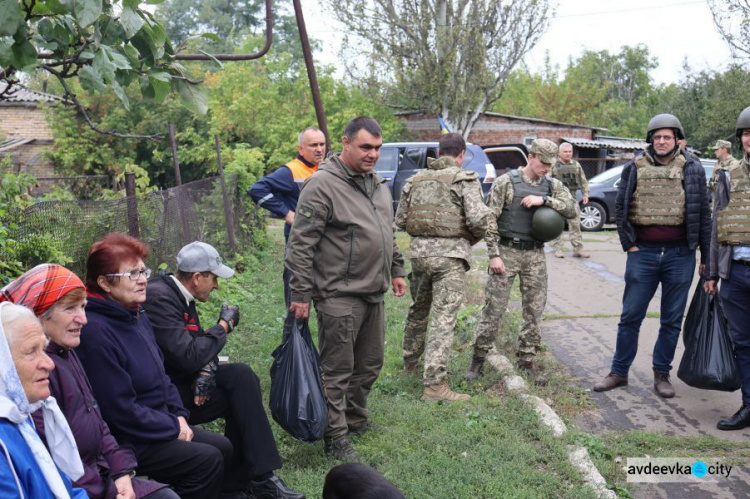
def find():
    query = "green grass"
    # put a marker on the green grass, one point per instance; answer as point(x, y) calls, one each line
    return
point(491, 446)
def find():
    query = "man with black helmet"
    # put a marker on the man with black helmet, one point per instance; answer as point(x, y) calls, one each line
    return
point(730, 261)
point(663, 215)
point(514, 199)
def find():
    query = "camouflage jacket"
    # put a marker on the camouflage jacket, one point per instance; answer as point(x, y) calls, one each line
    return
point(478, 217)
point(582, 182)
point(722, 164)
point(502, 194)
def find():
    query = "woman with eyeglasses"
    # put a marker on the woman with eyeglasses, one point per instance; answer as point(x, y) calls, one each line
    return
point(126, 370)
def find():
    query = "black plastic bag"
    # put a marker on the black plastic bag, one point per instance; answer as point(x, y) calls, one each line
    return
point(297, 401)
point(708, 362)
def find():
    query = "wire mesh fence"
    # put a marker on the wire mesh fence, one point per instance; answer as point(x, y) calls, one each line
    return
point(166, 221)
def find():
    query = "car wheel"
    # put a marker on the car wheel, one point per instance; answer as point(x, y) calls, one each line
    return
point(593, 217)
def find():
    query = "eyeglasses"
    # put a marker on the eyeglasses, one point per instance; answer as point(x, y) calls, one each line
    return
point(665, 138)
point(133, 275)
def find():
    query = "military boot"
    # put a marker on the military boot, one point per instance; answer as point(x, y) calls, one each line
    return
point(527, 367)
point(476, 368)
point(442, 392)
point(579, 253)
point(559, 253)
point(411, 365)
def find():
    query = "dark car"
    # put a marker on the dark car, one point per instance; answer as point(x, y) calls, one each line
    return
point(602, 194)
point(400, 160)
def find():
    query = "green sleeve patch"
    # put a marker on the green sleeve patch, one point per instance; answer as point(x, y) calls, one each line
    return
point(306, 211)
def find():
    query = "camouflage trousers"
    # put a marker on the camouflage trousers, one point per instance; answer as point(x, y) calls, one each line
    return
point(574, 233)
point(531, 267)
point(436, 283)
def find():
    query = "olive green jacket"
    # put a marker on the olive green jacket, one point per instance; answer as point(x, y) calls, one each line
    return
point(342, 242)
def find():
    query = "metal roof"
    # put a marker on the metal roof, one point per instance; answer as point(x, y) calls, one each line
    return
point(607, 143)
point(20, 94)
point(7, 145)
point(512, 117)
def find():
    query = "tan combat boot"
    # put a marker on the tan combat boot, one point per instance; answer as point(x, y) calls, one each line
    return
point(411, 365)
point(662, 385)
point(579, 253)
point(559, 254)
point(442, 392)
point(476, 368)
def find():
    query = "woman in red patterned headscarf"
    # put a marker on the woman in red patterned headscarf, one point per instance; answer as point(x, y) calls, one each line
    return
point(58, 297)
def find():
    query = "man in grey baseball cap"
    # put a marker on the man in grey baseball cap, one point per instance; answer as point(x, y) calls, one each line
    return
point(209, 390)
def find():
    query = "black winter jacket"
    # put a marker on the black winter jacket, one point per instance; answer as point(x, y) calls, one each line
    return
point(697, 210)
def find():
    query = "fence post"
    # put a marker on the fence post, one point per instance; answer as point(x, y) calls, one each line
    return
point(227, 208)
point(133, 228)
point(175, 161)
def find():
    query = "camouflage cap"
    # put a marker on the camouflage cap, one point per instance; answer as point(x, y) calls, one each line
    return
point(545, 150)
point(723, 144)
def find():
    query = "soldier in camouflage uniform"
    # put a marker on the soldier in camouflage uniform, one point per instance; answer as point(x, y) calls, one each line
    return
point(442, 210)
point(571, 174)
point(722, 151)
point(662, 215)
point(514, 198)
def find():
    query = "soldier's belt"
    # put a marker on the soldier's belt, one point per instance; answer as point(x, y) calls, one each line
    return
point(520, 245)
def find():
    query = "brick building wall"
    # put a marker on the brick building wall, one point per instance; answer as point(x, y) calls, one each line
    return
point(494, 128)
point(28, 121)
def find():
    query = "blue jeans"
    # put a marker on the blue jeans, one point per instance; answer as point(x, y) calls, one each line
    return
point(735, 296)
point(673, 267)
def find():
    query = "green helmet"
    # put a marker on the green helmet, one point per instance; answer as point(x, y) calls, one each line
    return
point(546, 224)
point(664, 121)
point(743, 122)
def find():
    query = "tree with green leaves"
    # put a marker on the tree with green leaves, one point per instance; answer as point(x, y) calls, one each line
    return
point(732, 20)
point(103, 44)
point(448, 57)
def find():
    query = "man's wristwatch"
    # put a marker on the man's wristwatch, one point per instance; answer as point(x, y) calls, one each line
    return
point(544, 199)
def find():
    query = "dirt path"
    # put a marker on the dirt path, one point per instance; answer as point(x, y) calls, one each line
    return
point(584, 303)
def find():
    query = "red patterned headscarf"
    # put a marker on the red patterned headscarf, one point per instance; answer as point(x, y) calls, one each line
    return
point(41, 287)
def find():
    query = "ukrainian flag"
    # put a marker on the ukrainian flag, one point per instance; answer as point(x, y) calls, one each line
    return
point(444, 128)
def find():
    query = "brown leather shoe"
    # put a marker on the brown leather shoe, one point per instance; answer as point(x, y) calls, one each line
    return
point(476, 368)
point(581, 254)
point(662, 385)
point(442, 392)
point(611, 381)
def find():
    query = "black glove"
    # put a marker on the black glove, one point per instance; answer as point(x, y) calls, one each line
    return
point(205, 383)
point(230, 314)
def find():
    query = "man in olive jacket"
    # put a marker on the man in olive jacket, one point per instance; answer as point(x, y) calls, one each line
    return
point(342, 255)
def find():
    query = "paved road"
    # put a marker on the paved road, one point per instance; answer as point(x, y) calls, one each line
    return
point(580, 289)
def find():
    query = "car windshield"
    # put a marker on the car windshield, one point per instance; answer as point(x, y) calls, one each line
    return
point(607, 175)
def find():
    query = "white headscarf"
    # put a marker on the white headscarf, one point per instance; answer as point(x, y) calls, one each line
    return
point(15, 407)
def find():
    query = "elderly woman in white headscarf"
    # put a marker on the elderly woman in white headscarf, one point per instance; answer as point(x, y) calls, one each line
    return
point(27, 468)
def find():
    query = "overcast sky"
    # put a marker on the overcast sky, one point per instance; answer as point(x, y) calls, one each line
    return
point(673, 30)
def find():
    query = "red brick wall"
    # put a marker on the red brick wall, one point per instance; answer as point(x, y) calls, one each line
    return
point(495, 130)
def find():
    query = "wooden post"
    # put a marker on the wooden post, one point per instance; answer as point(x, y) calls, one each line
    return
point(227, 207)
point(175, 161)
point(132, 201)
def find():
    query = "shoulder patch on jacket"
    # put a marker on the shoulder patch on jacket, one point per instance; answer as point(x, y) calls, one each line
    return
point(306, 211)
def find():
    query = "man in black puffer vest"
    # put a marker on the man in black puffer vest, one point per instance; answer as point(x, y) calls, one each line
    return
point(663, 215)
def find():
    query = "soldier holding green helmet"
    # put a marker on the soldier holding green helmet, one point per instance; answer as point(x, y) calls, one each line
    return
point(521, 201)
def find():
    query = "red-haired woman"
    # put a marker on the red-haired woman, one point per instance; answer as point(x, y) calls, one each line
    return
point(126, 370)
point(57, 297)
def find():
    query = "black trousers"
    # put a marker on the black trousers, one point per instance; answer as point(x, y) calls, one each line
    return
point(239, 401)
point(194, 469)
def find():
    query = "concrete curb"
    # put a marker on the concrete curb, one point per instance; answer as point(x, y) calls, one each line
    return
point(578, 456)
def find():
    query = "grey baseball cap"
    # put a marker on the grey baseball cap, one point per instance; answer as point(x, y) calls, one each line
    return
point(545, 150)
point(202, 257)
